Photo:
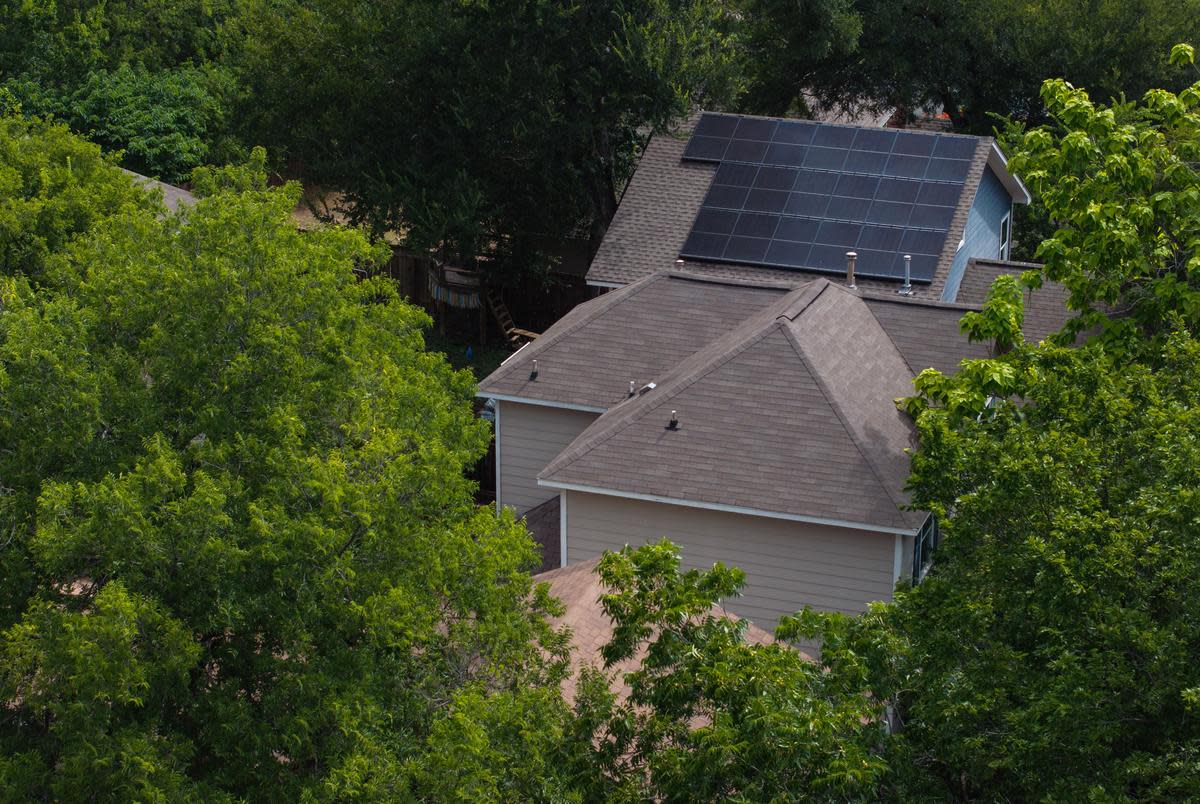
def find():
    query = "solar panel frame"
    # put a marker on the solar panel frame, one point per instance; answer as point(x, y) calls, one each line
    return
point(799, 195)
point(794, 132)
point(716, 125)
point(706, 149)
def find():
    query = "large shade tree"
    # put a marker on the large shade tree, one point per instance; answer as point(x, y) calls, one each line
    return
point(481, 128)
point(153, 78)
point(980, 58)
point(1051, 651)
point(240, 558)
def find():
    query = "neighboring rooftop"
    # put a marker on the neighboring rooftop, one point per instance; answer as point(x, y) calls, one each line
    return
point(579, 588)
point(790, 413)
point(1045, 309)
point(663, 203)
point(173, 197)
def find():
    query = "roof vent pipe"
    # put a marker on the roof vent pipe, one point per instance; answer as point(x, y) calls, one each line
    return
point(906, 288)
point(533, 374)
point(632, 388)
point(674, 423)
point(851, 260)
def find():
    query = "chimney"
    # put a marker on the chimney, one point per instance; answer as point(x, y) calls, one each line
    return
point(674, 423)
point(851, 259)
point(533, 374)
point(906, 289)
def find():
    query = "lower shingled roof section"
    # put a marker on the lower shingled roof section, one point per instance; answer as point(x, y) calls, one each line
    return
point(791, 412)
point(579, 588)
point(634, 334)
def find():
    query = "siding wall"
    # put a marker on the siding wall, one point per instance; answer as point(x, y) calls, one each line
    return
point(788, 565)
point(530, 437)
point(981, 237)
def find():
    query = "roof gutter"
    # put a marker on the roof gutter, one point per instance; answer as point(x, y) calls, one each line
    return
point(730, 509)
point(545, 403)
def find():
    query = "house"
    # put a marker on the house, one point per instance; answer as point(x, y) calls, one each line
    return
point(738, 397)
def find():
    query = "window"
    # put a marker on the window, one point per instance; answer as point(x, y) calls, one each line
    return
point(1005, 235)
point(924, 546)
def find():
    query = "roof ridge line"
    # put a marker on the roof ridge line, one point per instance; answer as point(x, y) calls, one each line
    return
point(837, 410)
point(816, 122)
point(806, 299)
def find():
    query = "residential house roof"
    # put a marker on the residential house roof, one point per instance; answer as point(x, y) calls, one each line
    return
point(790, 413)
point(642, 331)
point(579, 588)
point(1045, 308)
point(664, 195)
point(589, 357)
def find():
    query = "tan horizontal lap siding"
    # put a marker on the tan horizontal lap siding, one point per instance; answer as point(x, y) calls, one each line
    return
point(788, 565)
point(530, 437)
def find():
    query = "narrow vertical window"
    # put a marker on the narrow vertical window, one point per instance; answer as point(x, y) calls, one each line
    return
point(1005, 235)
point(923, 546)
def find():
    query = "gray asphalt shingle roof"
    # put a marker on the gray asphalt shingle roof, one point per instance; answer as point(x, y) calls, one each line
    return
point(642, 331)
point(791, 412)
point(173, 197)
point(1045, 309)
point(637, 333)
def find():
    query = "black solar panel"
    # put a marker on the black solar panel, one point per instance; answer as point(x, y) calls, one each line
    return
point(798, 194)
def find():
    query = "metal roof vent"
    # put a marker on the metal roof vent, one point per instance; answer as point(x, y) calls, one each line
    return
point(906, 288)
point(851, 260)
point(632, 388)
point(533, 374)
point(674, 423)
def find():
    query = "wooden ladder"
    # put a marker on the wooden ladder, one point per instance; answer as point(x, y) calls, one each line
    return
point(515, 336)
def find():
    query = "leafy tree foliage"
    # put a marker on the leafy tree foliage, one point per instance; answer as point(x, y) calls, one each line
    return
point(785, 47)
point(482, 128)
point(982, 58)
point(710, 717)
point(240, 558)
point(1051, 652)
point(53, 187)
point(1120, 186)
point(154, 78)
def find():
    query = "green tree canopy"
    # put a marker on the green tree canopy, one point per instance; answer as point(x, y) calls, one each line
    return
point(1051, 651)
point(151, 77)
point(239, 555)
point(1120, 187)
point(481, 128)
point(1050, 654)
point(980, 58)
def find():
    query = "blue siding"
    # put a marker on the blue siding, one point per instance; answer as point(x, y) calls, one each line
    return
point(981, 238)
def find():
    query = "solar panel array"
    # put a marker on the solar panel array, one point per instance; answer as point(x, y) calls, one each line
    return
point(798, 194)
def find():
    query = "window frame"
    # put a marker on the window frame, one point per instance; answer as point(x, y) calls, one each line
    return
point(1006, 235)
point(925, 544)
